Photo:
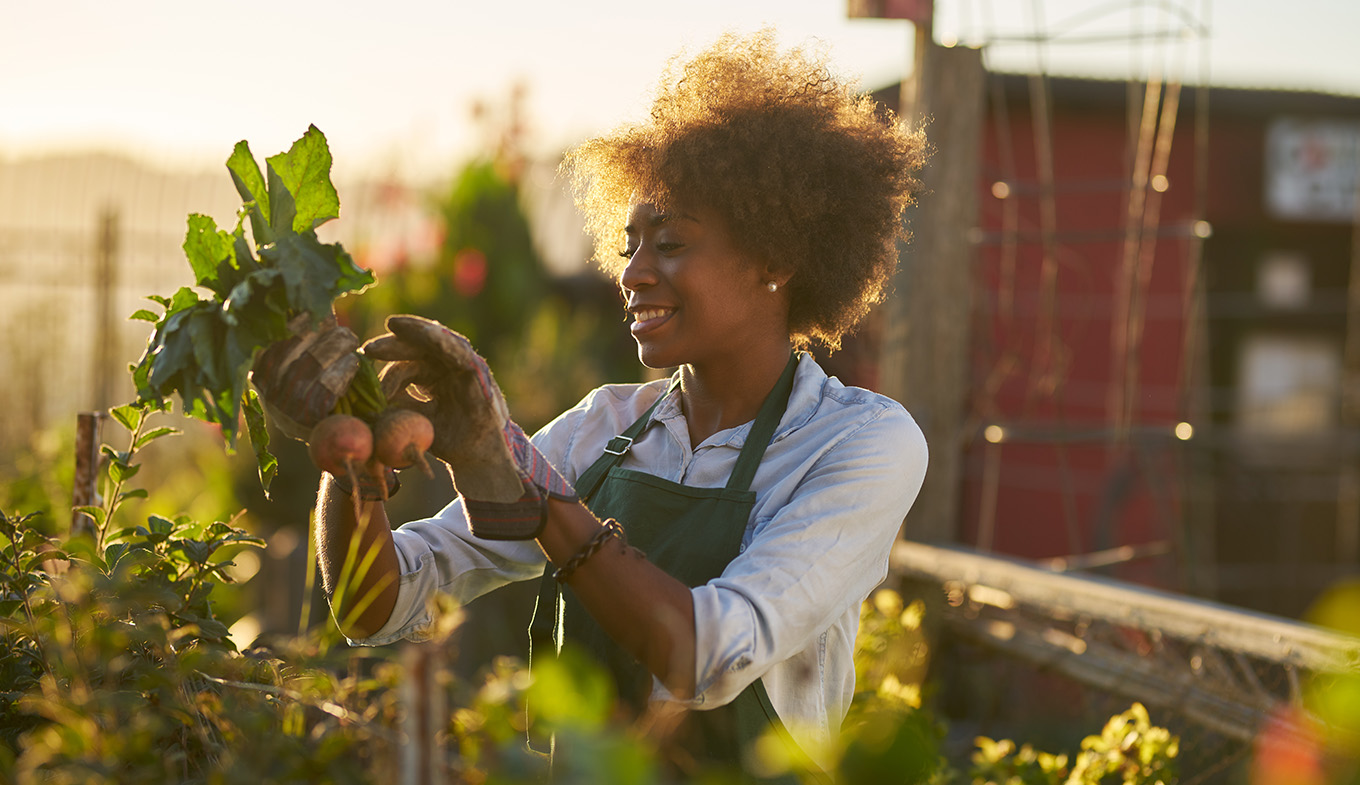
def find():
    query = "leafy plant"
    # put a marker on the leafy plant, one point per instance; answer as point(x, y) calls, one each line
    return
point(888, 735)
point(202, 348)
point(1129, 750)
point(117, 666)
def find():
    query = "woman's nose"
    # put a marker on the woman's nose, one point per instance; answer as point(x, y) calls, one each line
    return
point(638, 272)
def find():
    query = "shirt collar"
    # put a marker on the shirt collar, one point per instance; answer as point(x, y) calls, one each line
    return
point(808, 381)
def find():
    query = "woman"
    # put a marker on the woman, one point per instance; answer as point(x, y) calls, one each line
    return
point(712, 534)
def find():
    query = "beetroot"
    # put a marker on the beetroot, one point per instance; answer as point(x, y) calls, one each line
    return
point(339, 444)
point(401, 438)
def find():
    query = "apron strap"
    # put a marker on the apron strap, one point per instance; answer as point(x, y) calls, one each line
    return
point(616, 448)
point(811, 772)
point(762, 430)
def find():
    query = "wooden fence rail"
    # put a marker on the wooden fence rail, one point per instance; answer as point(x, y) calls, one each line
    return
point(1225, 668)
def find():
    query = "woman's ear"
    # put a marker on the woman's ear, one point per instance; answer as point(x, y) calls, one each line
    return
point(779, 274)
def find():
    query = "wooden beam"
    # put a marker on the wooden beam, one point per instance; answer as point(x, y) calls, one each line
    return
point(927, 318)
point(1064, 596)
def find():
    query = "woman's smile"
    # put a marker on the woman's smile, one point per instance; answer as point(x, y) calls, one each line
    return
point(647, 318)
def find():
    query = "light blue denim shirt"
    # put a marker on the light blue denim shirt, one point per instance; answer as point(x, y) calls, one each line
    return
point(841, 471)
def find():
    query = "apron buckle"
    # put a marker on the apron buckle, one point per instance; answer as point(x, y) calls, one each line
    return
point(619, 445)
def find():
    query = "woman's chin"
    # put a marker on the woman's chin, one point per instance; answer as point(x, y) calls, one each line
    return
point(654, 358)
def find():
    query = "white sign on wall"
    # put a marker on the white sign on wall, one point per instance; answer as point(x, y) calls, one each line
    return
point(1312, 169)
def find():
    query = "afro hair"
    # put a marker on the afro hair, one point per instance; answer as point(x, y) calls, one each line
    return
point(811, 176)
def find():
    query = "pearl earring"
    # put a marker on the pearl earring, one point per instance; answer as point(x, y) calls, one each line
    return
point(772, 286)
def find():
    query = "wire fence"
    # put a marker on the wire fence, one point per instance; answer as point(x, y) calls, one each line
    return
point(1040, 642)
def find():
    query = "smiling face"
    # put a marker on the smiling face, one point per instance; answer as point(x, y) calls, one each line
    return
point(693, 297)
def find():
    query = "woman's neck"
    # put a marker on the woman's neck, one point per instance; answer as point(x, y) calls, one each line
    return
point(717, 398)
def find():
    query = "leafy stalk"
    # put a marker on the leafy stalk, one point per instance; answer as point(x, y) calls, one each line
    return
point(14, 530)
point(202, 347)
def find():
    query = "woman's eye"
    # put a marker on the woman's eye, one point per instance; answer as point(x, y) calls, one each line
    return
point(668, 247)
point(627, 253)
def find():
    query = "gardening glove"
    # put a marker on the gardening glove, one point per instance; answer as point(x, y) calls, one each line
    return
point(504, 480)
point(300, 379)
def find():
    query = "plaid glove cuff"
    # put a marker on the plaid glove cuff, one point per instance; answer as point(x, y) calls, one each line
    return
point(535, 467)
point(520, 520)
point(523, 519)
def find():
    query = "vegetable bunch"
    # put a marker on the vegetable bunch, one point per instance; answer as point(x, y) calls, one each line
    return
point(253, 292)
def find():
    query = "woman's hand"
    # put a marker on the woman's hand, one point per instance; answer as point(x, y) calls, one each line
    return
point(503, 479)
point(301, 378)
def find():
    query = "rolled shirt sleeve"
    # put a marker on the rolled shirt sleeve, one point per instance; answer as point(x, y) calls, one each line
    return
point(440, 554)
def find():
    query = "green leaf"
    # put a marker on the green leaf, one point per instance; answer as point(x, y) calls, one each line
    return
point(158, 524)
point(282, 210)
point(122, 472)
point(141, 374)
point(239, 266)
point(352, 278)
point(143, 315)
point(205, 334)
point(197, 405)
point(227, 401)
point(41, 557)
point(94, 512)
point(245, 173)
point(168, 350)
point(135, 493)
point(168, 360)
point(129, 416)
point(182, 299)
point(152, 435)
point(207, 249)
point(259, 440)
point(122, 456)
point(123, 533)
point(314, 274)
point(113, 553)
point(305, 171)
point(198, 552)
point(249, 306)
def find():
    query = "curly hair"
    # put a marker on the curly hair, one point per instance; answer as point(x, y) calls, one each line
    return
point(811, 176)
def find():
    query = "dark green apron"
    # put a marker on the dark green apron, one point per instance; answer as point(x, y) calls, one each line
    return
point(692, 534)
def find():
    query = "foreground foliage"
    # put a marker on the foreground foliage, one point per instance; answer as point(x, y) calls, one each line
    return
point(117, 666)
point(118, 669)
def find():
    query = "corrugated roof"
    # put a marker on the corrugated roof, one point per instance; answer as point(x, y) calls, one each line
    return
point(1103, 92)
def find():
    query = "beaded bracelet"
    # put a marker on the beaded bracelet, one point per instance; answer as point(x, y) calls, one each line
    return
point(611, 528)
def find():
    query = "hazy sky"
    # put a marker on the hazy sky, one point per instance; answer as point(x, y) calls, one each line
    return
point(390, 83)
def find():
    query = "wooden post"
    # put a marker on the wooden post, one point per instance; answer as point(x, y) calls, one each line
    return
point(85, 492)
point(1348, 492)
point(927, 321)
point(422, 759)
point(1200, 519)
